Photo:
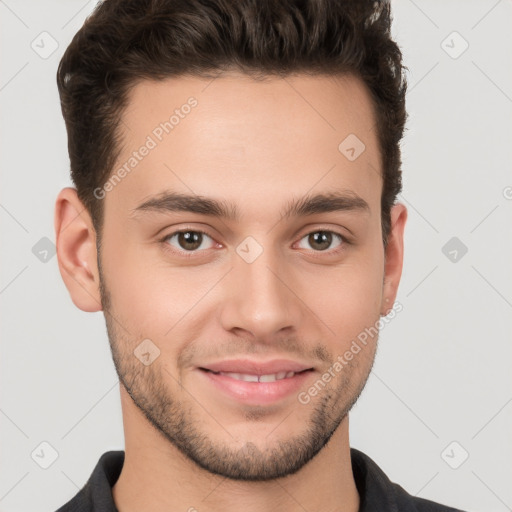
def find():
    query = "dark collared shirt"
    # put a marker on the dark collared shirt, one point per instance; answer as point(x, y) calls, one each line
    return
point(377, 493)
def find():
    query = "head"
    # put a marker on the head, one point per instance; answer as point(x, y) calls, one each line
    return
point(236, 166)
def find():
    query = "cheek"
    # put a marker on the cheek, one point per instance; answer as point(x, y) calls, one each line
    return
point(151, 298)
point(131, 282)
point(348, 298)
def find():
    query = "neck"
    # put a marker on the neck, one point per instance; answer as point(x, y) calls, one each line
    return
point(157, 477)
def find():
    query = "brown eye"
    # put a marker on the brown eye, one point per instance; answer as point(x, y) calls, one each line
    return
point(188, 240)
point(321, 240)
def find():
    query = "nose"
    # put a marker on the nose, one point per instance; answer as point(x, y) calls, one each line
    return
point(259, 297)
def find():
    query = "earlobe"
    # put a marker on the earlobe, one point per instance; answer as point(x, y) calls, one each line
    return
point(75, 238)
point(394, 258)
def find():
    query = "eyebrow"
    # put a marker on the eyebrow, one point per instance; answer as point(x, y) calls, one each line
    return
point(304, 206)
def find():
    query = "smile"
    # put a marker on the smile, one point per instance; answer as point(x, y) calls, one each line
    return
point(246, 377)
point(256, 389)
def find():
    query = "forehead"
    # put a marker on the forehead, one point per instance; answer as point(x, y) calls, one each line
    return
point(233, 135)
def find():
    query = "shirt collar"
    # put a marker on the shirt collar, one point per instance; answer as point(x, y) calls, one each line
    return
point(376, 491)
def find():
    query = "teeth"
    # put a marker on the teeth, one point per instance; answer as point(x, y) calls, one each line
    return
point(269, 378)
point(241, 376)
point(258, 378)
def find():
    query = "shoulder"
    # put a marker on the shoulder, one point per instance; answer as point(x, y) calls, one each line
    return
point(96, 494)
point(378, 493)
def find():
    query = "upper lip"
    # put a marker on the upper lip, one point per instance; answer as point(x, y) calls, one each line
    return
point(249, 367)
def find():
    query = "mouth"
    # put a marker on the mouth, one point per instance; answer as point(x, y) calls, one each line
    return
point(250, 388)
point(250, 377)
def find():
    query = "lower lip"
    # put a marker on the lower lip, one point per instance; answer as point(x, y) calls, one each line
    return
point(257, 393)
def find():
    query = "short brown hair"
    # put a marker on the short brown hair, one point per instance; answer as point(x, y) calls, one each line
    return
point(125, 41)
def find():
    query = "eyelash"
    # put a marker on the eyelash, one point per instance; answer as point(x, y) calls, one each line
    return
point(192, 254)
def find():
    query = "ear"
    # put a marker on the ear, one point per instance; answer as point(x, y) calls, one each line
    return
point(76, 250)
point(394, 257)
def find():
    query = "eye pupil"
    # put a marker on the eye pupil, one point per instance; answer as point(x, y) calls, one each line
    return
point(190, 240)
point(324, 238)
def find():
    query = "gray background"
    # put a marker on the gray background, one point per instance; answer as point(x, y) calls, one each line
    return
point(444, 363)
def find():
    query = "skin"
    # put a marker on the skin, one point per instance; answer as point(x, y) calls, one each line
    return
point(257, 145)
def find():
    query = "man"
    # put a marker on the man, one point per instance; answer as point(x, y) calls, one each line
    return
point(236, 167)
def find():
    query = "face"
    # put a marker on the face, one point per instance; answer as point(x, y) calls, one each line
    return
point(244, 246)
